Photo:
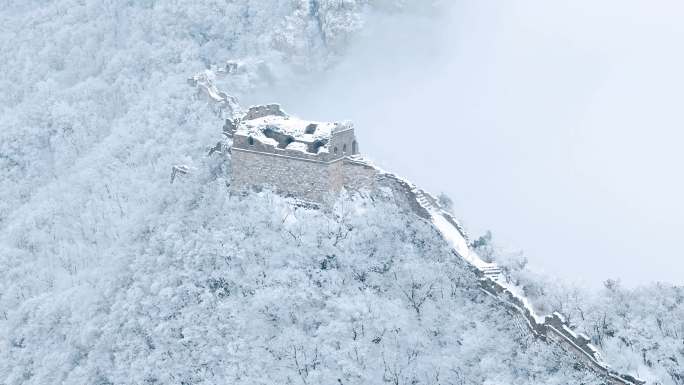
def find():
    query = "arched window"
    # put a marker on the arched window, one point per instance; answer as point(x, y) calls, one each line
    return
point(335, 150)
point(344, 148)
point(250, 140)
point(354, 148)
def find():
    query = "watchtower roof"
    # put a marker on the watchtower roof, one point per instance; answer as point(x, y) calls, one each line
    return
point(269, 124)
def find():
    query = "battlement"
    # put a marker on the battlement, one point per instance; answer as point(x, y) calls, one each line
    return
point(269, 129)
point(297, 157)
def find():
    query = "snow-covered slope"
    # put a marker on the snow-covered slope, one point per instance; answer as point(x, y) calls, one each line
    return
point(223, 289)
point(95, 110)
point(75, 74)
point(639, 330)
point(109, 274)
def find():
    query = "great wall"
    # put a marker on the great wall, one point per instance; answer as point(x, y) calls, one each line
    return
point(356, 173)
point(551, 328)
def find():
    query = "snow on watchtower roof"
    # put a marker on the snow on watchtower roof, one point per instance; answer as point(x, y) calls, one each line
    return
point(271, 126)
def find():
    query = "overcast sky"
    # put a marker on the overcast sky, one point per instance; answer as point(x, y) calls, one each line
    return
point(556, 124)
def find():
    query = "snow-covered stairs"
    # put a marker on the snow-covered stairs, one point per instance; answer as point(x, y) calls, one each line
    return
point(420, 197)
point(525, 319)
point(425, 201)
point(493, 272)
point(490, 270)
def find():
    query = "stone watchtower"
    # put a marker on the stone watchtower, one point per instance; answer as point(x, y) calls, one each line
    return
point(295, 157)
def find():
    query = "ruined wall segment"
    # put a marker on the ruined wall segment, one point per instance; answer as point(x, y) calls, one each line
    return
point(343, 141)
point(294, 157)
point(309, 180)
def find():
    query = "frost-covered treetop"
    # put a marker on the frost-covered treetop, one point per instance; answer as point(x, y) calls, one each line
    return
point(270, 125)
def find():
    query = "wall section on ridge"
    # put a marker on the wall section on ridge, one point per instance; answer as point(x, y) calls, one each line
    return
point(358, 176)
point(309, 180)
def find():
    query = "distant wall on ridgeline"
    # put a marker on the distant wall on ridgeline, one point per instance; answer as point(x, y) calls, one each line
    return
point(555, 329)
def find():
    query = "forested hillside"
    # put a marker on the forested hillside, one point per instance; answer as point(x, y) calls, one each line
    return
point(639, 330)
point(110, 274)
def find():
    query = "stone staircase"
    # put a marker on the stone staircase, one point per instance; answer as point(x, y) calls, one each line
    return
point(430, 204)
point(424, 201)
point(493, 272)
point(493, 283)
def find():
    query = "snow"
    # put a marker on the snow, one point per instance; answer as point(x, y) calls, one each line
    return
point(287, 125)
point(225, 289)
point(454, 237)
point(560, 316)
point(518, 293)
point(109, 274)
point(569, 331)
point(297, 146)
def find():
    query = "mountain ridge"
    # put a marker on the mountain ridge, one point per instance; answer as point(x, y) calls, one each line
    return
point(109, 274)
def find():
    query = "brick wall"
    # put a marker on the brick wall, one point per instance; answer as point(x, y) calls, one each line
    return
point(358, 176)
point(290, 172)
point(309, 180)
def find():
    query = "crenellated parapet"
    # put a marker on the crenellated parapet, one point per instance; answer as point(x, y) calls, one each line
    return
point(555, 329)
point(552, 328)
point(307, 159)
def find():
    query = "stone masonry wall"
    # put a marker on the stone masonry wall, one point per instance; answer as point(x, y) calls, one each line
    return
point(302, 177)
point(305, 179)
point(554, 329)
point(341, 140)
point(358, 176)
point(403, 193)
